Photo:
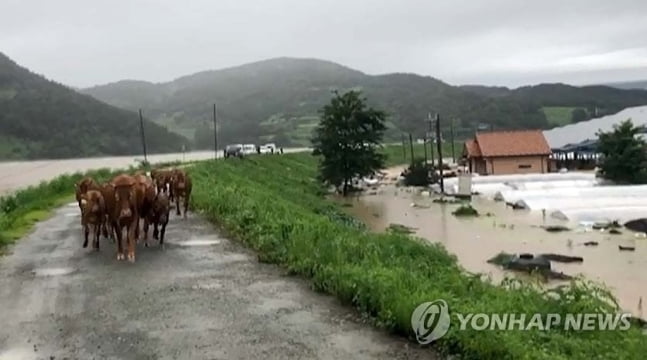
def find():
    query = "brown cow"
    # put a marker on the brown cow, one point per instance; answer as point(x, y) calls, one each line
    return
point(110, 228)
point(145, 197)
point(80, 188)
point(93, 216)
point(162, 179)
point(125, 214)
point(181, 183)
point(158, 216)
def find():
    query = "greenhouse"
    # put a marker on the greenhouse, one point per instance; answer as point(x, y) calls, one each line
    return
point(621, 214)
point(567, 203)
point(583, 193)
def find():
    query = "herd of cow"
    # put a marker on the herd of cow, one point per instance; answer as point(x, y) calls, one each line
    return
point(118, 205)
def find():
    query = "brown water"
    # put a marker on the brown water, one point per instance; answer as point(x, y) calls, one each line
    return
point(475, 240)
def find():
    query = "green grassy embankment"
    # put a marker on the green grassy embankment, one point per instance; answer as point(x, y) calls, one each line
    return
point(274, 205)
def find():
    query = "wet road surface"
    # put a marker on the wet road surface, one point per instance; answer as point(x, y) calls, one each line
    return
point(203, 297)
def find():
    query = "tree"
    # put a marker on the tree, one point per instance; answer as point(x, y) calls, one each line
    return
point(624, 156)
point(578, 115)
point(348, 139)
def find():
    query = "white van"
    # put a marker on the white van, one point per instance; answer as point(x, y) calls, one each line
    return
point(268, 148)
point(249, 149)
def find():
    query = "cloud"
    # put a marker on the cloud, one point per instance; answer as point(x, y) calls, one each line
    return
point(503, 42)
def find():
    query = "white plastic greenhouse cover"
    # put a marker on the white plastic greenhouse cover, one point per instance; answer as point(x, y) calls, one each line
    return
point(568, 203)
point(483, 189)
point(520, 178)
point(586, 130)
point(619, 213)
point(512, 196)
point(553, 184)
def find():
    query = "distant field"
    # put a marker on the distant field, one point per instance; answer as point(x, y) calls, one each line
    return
point(558, 115)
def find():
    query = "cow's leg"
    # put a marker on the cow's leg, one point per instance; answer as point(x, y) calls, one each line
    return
point(177, 205)
point(86, 230)
point(105, 224)
point(137, 229)
point(132, 240)
point(113, 233)
point(155, 231)
point(97, 234)
point(186, 204)
point(120, 249)
point(146, 224)
point(162, 232)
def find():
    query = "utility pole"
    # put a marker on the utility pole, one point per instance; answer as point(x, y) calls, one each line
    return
point(141, 127)
point(440, 154)
point(411, 146)
point(431, 137)
point(424, 145)
point(451, 128)
point(215, 133)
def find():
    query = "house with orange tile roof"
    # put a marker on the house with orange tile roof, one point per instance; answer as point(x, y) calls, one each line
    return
point(507, 152)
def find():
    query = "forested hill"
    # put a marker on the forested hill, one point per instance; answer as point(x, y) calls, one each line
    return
point(278, 100)
point(43, 119)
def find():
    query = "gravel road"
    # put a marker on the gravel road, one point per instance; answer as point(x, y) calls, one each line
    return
point(203, 297)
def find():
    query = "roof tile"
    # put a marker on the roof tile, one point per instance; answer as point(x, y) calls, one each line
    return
point(512, 143)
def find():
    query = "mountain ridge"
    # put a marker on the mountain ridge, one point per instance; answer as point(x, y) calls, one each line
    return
point(278, 99)
point(40, 118)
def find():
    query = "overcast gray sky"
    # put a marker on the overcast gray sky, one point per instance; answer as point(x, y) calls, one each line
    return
point(494, 42)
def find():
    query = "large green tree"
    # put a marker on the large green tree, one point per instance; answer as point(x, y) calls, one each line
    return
point(348, 140)
point(624, 154)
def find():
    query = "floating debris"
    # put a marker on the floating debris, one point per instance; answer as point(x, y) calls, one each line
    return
point(626, 248)
point(590, 243)
point(555, 228)
point(465, 210)
point(562, 258)
point(446, 200)
point(400, 229)
point(530, 264)
point(419, 206)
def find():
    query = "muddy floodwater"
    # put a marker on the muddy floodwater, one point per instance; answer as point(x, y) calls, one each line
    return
point(475, 240)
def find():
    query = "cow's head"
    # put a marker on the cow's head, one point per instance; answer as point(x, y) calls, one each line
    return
point(124, 198)
point(161, 207)
point(179, 180)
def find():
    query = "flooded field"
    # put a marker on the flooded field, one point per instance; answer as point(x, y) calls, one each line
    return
point(475, 240)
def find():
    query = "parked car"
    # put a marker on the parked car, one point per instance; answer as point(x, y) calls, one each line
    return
point(268, 148)
point(234, 150)
point(249, 149)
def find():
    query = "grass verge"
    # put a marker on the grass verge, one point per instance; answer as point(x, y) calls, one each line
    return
point(275, 206)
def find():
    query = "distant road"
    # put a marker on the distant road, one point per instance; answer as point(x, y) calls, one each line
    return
point(19, 174)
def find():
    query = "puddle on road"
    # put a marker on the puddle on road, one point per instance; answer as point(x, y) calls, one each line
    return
point(475, 240)
point(18, 354)
point(53, 271)
point(198, 242)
